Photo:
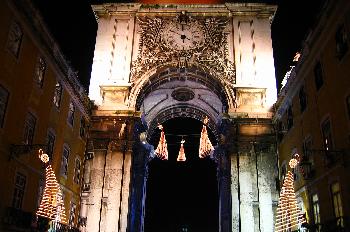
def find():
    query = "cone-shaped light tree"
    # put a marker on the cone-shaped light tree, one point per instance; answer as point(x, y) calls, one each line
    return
point(182, 155)
point(289, 217)
point(205, 146)
point(51, 205)
point(162, 148)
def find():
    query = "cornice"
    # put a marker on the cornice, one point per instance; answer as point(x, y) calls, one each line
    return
point(229, 9)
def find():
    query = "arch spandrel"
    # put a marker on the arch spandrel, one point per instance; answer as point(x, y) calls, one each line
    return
point(158, 50)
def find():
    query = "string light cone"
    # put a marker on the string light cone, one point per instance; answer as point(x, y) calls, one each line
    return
point(162, 148)
point(51, 205)
point(205, 146)
point(182, 155)
point(289, 217)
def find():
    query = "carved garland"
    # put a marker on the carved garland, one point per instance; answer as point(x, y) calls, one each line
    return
point(211, 56)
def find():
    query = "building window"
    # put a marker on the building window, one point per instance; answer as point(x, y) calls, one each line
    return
point(14, 39)
point(307, 146)
point(318, 72)
point(302, 99)
point(40, 71)
point(77, 171)
point(289, 117)
point(50, 142)
point(283, 172)
point(29, 128)
point(337, 204)
point(72, 212)
point(341, 42)
point(347, 105)
point(4, 96)
point(316, 209)
point(327, 135)
point(18, 193)
point(64, 162)
point(82, 127)
point(71, 112)
point(57, 95)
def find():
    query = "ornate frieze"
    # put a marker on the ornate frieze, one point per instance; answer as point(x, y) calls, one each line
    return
point(184, 41)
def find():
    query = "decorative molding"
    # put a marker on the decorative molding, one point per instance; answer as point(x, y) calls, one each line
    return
point(254, 97)
point(186, 111)
point(211, 56)
point(182, 94)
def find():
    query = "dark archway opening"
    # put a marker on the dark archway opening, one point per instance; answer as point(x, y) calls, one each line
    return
point(182, 196)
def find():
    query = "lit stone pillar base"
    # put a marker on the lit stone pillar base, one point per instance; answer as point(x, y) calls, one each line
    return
point(234, 192)
point(268, 195)
point(94, 205)
point(116, 191)
point(246, 194)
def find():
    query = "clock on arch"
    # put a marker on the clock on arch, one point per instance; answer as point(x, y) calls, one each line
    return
point(183, 34)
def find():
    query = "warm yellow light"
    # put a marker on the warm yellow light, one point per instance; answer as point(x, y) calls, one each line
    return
point(288, 215)
point(51, 205)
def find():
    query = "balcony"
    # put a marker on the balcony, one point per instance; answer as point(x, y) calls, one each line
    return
point(44, 225)
point(17, 218)
point(331, 157)
point(340, 224)
point(58, 227)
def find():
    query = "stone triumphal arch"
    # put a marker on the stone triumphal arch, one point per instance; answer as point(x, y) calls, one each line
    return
point(153, 63)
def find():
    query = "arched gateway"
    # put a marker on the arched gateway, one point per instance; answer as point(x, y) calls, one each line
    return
point(153, 63)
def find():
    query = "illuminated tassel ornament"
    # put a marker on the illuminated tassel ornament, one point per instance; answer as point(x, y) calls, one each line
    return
point(51, 205)
point(288, 217)
point(182, 155)
point(205, 146)
point(162, 148)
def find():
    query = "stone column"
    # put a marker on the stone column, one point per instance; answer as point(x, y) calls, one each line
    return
point(235, 192)
point(267, 190)
point(246, 193)
point(96, 176)
point(116, 191)
point(224, 182)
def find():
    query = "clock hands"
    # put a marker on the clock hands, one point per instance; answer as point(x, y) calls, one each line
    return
point(182, 36)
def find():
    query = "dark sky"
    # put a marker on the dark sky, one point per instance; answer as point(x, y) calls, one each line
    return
point(74, 26)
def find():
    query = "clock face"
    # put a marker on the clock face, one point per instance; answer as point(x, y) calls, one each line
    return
point(183, 36)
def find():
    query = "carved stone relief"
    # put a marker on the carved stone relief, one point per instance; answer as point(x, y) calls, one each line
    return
point(208, 50)
point(251, 97)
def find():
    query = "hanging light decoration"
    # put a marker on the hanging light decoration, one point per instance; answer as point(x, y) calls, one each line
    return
point(289, 217)
point(162, 148)
point(205, 146)
point(182, 155)
point(51, 205)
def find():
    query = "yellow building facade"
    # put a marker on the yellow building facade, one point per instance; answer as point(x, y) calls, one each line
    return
point(313, 120)
point(42, 105)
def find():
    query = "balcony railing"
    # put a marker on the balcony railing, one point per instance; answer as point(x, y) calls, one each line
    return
point(331, 157)
point(17, 218)
point(46, 225)
point(340, 224)
point(58, 227)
